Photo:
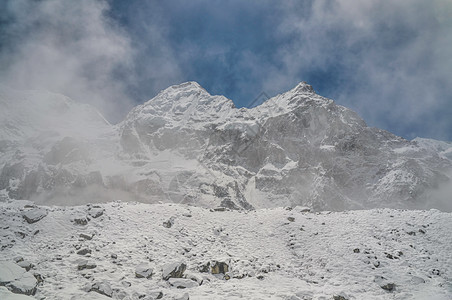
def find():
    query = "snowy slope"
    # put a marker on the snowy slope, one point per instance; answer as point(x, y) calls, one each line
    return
point(443, 148)
point(277, 253)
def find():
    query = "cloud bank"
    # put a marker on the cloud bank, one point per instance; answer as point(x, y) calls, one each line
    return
point(70, 47)
point(389, 61)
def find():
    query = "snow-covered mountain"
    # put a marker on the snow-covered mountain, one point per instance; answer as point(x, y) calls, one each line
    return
point(293, 155)
point(188, 146)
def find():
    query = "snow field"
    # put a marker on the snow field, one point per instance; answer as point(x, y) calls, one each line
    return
point(278, 253)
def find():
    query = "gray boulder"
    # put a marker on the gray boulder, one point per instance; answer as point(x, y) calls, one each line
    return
point(182, 283)
point(143, 271)
point(34, 215)
point(16, 279)
point(173, 270)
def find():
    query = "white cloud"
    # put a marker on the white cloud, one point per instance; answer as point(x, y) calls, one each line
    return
point(70, 47)
point(394, 57)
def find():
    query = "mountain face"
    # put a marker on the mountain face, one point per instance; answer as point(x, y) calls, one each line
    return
point(188, 146)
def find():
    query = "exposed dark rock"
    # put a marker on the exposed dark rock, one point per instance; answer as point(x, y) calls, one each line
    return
point(102, 288)
point(388, 287)
point(182, 283)
point(205, 268)
point(96, 211)
point(16, 279)
point(84, 251)
point(173, 270)
point(80, 220)
point(339, 297)
point(83, 264)
point(169, 223)
point(86, 236)
point(219, 267)
point(143, 271)
point(25, 264)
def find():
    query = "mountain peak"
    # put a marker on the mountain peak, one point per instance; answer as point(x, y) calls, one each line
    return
point(187, 86)
point(303, 87)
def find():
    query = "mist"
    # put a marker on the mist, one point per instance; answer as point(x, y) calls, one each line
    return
point(68, 47)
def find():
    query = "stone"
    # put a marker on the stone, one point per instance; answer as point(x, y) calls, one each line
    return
point(16, 279)
point(173, 270)
point(83, 264)
point(84, 251)
point(96, 211)
point(339, 297)
point(388, 287)
point(102, 288)
point(303, 209)
point(143, 271)
point(18, 259)
point(25, 264)
point(204, 268)
point(194, 277)
point(291, 219)
point(80, 220)
point(219, 267)
point(34, 215)
point(169, 223)
point(182, 283)
point(6, 294)
point(86, 236)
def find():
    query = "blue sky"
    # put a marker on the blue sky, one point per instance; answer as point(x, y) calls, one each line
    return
point(391, 61)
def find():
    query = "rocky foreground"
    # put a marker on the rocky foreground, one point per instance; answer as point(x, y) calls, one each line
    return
point(130, 250)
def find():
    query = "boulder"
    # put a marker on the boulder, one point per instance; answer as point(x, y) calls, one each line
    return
point(34, 215)
point(169, 223)
point(173, 270)
point(5, 294)
point(388, 287)
point(102, 288)
point(182, 283)
point(84, 251)
point(16, 279)
point(25, 264)
point(96, 211)
point(83, 264)
point(143, 271)
point(218, 267)
point(86, 236)
point(80, 219)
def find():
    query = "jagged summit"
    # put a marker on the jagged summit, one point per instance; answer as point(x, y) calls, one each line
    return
point(185, 87)
point(303, 87)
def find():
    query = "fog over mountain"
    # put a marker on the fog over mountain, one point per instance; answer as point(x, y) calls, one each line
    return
point(187, 146)
point(288, 150)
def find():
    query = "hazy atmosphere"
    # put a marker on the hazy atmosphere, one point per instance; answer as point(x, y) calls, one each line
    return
point(199, 150)
point(389, 61)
